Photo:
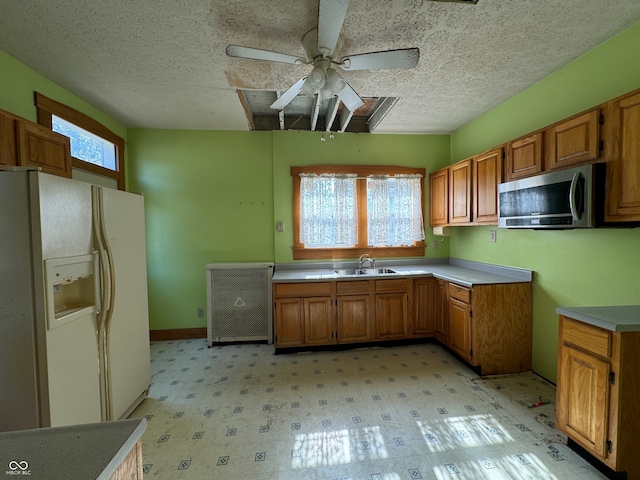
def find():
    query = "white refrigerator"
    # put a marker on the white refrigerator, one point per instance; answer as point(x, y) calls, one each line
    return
point(74, 328)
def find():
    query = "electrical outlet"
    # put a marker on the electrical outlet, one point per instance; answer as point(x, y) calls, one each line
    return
point(280, 227)
point(434, 245)
point(492, 236)
point(200, 312)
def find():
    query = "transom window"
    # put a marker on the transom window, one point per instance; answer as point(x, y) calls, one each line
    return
point(344, 211)
point(94, 148)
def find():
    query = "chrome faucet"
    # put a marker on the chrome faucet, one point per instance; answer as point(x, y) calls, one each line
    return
point(366, 258)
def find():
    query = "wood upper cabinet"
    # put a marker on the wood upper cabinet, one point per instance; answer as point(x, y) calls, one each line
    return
point(487, 174)
point(573, 141)
point(439, 198)
point(8, 147)
point(460, 192)
point(597, 392)
point(524, 157)
point(40, 147)
point(622, 154)
point(424, 306)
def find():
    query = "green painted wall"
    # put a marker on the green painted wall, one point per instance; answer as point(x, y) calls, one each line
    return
point(208, 198)
point(215, 197)
point(296, 148)
point(573, 268)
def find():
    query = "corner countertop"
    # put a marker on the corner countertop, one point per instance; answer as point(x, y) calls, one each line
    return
point(462, 272)
point(618, 318)
point(88, 451)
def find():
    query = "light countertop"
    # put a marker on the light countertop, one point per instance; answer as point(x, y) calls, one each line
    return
point(462, 272)
point(620, 318)
point(90, 451)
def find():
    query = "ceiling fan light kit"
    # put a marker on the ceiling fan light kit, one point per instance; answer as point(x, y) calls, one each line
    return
point(324, 82)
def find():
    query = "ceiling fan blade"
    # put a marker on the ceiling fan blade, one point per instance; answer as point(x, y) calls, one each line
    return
point(256, 54)
point(350, 98)
point(403, 58)
point(331, 15)
point(288, 95)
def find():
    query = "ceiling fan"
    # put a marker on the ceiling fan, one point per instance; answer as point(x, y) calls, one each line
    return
point(321, 44)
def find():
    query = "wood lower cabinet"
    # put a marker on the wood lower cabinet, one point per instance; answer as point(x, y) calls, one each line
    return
point(622, 154)
point(460, 323)
point(424, 307)
point(489, 326)
point(597, 393)
point(441, 328)
point(392, 308)
point(303, 314)
point(353, 311)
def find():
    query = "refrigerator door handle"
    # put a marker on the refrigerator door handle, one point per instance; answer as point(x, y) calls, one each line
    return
point(108, 292)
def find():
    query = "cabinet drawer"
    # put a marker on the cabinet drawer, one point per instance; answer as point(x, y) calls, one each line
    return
point(301, 289)
point(352, 288)
point(586, 337)
point(396, 285)
point(460, 293)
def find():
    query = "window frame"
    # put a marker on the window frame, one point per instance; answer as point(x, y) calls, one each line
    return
point(47, 107)
point(362, 171)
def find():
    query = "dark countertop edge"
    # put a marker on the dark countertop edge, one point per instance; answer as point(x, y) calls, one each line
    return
point(597, 317)
point(124, 450)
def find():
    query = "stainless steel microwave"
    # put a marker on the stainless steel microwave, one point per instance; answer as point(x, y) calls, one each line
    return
point(563, 199)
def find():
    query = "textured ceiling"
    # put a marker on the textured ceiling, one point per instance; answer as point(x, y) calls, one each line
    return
point(162, 63)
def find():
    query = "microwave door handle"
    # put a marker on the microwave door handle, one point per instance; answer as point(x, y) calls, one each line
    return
point(572, 196)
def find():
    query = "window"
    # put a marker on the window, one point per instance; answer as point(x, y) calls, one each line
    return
point(344, 211)
point(94, 148)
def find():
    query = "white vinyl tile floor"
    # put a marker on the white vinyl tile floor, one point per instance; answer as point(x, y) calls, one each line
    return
point(383, 413)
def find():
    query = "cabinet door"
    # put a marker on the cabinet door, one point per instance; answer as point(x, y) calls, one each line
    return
point(524, 157)
point(487, 174)
point(439, 198)
point(622, 146)
point(289, 322)
point(583, 399)
point(424, 306)
point(8, 152)
point(442, 311)
point(318, 321)
point(40, 147)
point(354, 318)
point(391, 315)
point(460, 328)
point(573, 141)
point(460, 192)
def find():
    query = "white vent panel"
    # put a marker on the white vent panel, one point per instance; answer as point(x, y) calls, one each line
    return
point(239, 302)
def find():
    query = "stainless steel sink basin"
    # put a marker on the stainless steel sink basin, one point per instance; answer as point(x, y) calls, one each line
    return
point(364, 271)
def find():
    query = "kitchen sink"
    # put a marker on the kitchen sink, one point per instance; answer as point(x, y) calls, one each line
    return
point(364, 271)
